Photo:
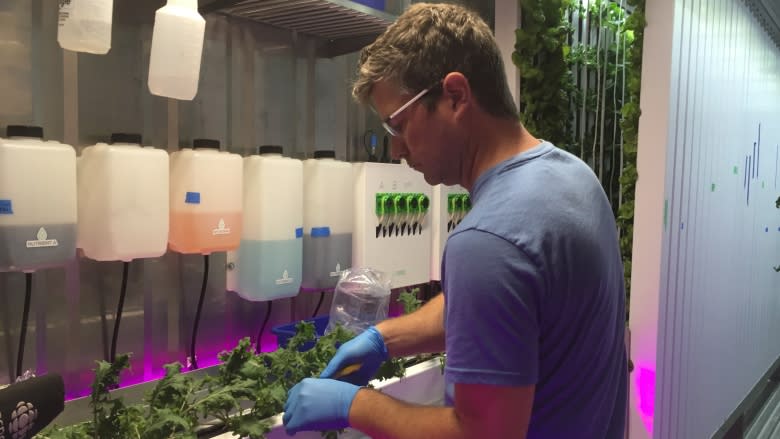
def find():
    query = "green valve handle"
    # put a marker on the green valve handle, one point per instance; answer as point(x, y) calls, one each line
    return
point(425, 202)
point(397, 201)
point(410, 202)
point(383, 204)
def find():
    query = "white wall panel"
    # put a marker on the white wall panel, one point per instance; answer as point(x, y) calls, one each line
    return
point(718, 301)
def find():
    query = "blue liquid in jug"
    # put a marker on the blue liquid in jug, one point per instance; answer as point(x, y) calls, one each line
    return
point(324, 258)
point(35, 247)
point(270, 270)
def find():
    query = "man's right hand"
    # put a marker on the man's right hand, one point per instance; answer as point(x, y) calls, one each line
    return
point(367, 350)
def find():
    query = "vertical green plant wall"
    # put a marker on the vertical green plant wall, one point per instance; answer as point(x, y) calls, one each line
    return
point(580, 67)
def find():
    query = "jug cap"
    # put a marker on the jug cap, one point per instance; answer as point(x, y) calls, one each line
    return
point(205, 143)
point(131, 138)
point(325, 154)
point(24, 131)
point(269, 149)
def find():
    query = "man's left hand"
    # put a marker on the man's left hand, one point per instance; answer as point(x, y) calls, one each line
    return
point(318, 404)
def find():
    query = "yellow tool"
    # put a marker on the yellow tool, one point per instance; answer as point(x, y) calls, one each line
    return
point(347, 370)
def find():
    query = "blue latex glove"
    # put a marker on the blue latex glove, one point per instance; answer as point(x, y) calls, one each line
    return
point(318, 404)
point(367, 349)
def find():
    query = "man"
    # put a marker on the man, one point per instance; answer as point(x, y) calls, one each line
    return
point(532, 314)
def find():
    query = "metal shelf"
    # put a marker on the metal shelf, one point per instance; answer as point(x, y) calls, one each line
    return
point(343, 26)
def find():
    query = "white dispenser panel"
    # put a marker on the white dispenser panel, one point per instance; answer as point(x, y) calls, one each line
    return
point(393, 229)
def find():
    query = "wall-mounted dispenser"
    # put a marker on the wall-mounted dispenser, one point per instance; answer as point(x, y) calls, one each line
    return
point(177, 48)
point(206, 196)
point(449, 206)
point(206, 199)
point(268, 264)
point(85, 25)
point(123, 200)
point(123, 211)
point(37, 210)
point(392, 222)
point(37, 201)
point(327, 220)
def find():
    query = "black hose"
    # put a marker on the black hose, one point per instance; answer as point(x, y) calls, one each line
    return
point(23, 328)
point(193, 360)
point(262, 327)
point(119, 307)
point(319, 304)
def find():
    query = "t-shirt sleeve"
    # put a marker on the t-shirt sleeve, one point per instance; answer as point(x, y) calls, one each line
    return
point(492, 291)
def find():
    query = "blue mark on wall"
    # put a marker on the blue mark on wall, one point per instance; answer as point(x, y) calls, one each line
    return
point(752, 166)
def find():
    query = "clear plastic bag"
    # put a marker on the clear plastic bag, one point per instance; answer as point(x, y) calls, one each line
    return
point(361, 299)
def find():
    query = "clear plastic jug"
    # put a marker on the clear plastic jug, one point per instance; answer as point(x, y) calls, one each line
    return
point(177, 47)
point(269, 261)
point(206, 199)
point(327, 219)
point(37, 201)
point(123, 213)
point(85, 25)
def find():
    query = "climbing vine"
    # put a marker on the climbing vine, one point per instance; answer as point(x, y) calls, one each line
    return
point(580, 72)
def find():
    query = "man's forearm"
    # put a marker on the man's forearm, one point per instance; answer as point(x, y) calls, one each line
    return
point(416, 333)
point(399, 420)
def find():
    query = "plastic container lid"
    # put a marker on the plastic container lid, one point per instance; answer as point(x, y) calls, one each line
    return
point(325, 154)
point(205, 143)
point(131, 138)
point(270, 149)
point(24, 131)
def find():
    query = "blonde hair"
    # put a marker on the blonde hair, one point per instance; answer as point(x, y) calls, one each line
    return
point(427, 42)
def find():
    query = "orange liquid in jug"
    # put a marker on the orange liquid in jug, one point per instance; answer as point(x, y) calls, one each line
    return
point(203, 233)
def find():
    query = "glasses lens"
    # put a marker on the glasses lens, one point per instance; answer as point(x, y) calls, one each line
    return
point(390, 130)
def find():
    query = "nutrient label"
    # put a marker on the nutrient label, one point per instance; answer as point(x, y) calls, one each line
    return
point(66, 10)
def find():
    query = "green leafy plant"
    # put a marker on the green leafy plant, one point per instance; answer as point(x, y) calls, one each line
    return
point(247, 390)
point(580, 77)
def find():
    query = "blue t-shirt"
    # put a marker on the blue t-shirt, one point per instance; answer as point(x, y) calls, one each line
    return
point(533, 285)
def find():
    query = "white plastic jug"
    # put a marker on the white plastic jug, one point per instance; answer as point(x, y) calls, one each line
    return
point(123, 200)
point(85, 25)
point(37, 201)
point(269, 261)
point(206, 199)
point(327, 219)
point(177, 47)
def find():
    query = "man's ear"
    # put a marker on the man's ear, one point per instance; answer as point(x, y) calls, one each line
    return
point(457, 93)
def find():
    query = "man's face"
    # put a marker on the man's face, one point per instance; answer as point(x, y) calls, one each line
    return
point(420, 132)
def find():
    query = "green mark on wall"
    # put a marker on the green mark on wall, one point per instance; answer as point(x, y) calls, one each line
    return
point(712, 188)
point(666, 211)
point(736, 170)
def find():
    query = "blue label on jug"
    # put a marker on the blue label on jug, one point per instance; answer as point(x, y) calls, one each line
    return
point(192, 198)
point(320, 232)
point(299, 232)
point(6, 208)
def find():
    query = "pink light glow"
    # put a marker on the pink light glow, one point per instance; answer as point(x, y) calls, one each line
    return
point(646, 385)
